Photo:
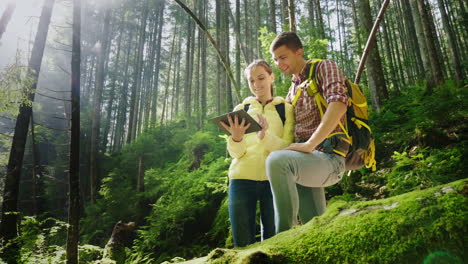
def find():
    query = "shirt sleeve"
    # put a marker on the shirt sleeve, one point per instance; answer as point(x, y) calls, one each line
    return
point(236, 149)
point(273, 142)
point(332, 82)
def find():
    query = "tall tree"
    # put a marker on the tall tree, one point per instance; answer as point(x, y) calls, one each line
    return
point(458, 76)
point(158, 65)
point(8, 226)
point(375, 75)
point(74, 172)
point(272, 9)
point(292, 15)
point(97, 100)
point(134, 99)
point(6, 16)
point(436, 73)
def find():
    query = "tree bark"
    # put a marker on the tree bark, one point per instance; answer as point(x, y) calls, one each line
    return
point(272, 9)
point(134, 99)
point(74, 176)
point(437, 76)
point(458, 76)
point(8, 227)
point(154, 104)
point(96, 122)
point(375, 76)
point(6, 16)
point(292, 15)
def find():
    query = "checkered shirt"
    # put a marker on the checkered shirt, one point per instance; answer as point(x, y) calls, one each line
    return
point(330, 82)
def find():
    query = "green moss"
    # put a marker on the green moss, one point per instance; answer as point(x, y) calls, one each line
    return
point(409, 228)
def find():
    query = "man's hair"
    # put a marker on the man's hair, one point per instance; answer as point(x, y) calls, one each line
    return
point(290, 39)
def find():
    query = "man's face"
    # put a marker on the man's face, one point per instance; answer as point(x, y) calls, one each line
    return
point(287, 60)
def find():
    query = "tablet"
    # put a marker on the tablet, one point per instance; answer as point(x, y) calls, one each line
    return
point(241, 114)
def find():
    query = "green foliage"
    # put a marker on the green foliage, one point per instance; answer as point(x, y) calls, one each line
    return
point(420, 142)
point(44, 242)
point(424, 168)
point(15, 83)
point(182, 217)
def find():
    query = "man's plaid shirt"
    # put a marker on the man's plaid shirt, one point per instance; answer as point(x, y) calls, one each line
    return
point(330, 82)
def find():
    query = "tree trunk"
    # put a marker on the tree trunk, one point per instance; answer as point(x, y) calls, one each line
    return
point(6, 16)
point(458, 76)
point(96, 122)
point(204, 60)
point(437, 76)
point(320, 24)
point(292, 15)
point(8, 227)
point(37, 174)
point(134, 99)
point(168, 77)
point(375, 76)
point(74, 176)
point(123, 102)
point(110, 108)
point(154, 104)
point(272, 9)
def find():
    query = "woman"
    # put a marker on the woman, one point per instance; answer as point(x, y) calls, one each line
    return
point(248, 181)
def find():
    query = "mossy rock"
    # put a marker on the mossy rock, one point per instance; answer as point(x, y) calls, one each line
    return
point(428, 226)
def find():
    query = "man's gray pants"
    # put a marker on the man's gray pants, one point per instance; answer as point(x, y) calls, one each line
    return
point(297, 181)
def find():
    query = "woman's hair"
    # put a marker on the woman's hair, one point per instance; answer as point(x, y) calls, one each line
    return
point(255, 64)
point(290, 39)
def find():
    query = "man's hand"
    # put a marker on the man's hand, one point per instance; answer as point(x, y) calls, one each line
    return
point(236, 129)
point(301, 147)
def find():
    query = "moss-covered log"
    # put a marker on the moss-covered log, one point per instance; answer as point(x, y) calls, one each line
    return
point(428, 226)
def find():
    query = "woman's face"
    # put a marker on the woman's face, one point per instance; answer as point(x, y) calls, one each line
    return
point(260, 82)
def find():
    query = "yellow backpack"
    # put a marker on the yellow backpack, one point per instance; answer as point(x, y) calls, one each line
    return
point(356, 129)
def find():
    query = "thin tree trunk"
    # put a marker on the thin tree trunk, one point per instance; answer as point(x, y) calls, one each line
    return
point(458, 76)
point(110, 108)
point(204, 60)
point(437, 76)
point(74, 176)
point(123, 102)
point(96, 122)
point(375, 75)
point(272, 9)
point(6, 16)
point(8, 227)
point(168, 77)
point(135, 98)
point(292, 15)
point(154, 104)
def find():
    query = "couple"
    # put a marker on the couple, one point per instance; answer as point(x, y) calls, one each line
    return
point(287, 179)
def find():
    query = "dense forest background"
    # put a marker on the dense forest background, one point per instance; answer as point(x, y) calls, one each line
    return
point(149, 80)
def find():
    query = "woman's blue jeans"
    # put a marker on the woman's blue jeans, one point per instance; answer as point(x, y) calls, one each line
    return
point(242, 203)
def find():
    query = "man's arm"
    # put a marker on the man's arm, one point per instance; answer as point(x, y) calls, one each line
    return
point(329, 122)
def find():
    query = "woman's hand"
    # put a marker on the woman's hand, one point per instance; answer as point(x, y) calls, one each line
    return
point(264, 124)
point(236, 129)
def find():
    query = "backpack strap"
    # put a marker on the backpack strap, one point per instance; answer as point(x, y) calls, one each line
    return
point(322, 105)
point(280, 108)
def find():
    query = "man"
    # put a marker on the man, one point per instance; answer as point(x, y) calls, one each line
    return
point(298, 173)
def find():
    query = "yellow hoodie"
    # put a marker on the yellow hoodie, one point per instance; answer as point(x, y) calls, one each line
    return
point(250, 154)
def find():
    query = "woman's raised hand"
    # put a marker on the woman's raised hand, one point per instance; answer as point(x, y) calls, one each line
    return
point(236, 129)
point(264, 124)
